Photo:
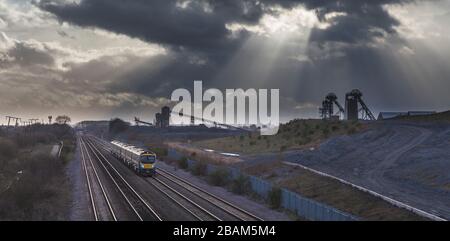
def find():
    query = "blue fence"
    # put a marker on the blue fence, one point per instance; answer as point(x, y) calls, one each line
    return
point(303, 207)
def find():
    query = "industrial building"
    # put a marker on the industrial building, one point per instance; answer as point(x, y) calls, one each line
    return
point(162, 120)
point(327, 109)
point(391, 115)
point(165, 117)
point(352, 111)
point(158, 119)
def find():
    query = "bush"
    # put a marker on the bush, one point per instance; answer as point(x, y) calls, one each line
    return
point(199, 168)
point(275, 198)
point(241, 185)
point(325, 131)
point(41, 193)
point(219, 177)
point(183, 163)
point(41, 190)
point(160, 151)
point(8, 149)
point(351, 131)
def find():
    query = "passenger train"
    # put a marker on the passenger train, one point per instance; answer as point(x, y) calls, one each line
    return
point(140, 160)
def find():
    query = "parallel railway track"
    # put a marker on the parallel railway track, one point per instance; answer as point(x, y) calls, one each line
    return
point(174, 187)
point(141, 209)
point(92, 179)
point(194, 209)
point(197, 211)
point(227, 207)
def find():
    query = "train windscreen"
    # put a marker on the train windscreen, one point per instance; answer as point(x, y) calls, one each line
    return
point(148, 159)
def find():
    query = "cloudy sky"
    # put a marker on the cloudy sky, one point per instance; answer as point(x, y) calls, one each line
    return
point(95, 59)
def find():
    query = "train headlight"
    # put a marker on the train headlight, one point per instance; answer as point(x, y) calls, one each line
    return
point(142, 165)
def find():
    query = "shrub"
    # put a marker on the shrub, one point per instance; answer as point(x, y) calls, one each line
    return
point(67, 151)
point(325, 131)
point(275, 198)
point(41, 190)
point(241, 185)
point(345, 125)
point(8, 149)
point(308, 140)
point(41, 193)
point(219, 177)
point(351, 130)
point(199, 168)
point(183, 163)
point(160, 151)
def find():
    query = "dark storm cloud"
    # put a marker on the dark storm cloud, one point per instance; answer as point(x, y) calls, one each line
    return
point(200, 44)
point(360, 20)
point(201, 25)
point(162, 21)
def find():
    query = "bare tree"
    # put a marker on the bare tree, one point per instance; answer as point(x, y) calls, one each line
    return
point(62, 119)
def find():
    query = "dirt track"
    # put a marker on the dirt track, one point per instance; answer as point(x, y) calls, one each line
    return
point(407, 162)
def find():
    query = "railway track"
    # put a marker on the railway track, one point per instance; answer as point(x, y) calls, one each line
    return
point(141, 209)
point(176, 188)
point(100, 211)
point(227, 207)
point(194, 209)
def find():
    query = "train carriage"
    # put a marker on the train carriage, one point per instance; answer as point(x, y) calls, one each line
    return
point(140, 160)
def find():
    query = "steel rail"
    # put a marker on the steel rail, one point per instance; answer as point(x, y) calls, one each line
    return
point(104, 193)
point(91, 197)
point(176, 193)
point(236, 211)
point(122, 179)
point(183, 197)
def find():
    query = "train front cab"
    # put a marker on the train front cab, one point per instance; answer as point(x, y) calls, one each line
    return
point(147, 164)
